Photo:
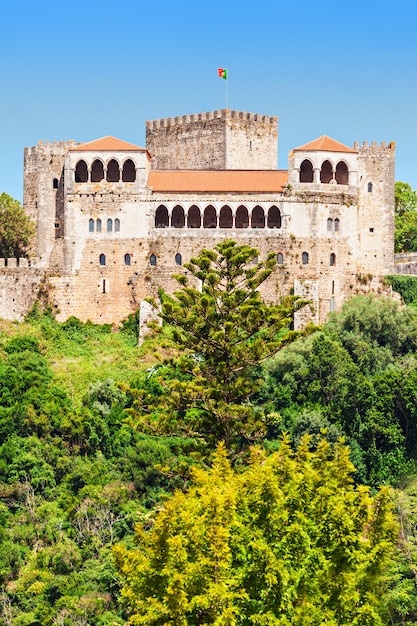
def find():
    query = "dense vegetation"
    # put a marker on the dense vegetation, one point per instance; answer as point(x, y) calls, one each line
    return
point(405, 218)
point(95, 434)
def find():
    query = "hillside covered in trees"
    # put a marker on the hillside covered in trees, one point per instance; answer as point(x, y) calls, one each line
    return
point(118, 505)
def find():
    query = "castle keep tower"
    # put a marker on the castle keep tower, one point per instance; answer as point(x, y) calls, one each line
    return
point(219, 140)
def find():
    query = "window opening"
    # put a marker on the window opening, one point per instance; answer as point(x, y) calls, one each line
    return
point(161, 217)
point(109, 225)
point(178, 259)
point(332, 259)
point(370, 187)
point(91, 225)
point(305, 258)
point(274, 217)
point(102, 259)
point(129, 172)
point(98, 225)
point(336, 224)
point(258, 217)
point(97, 171)
point(329, 223)
point(117, 225)
point(178, 217)
point(242, 217)
point(55, 183)
point(194, 217)
point(113, 172)
point(326, 172)
point(210, 217)
point(306, 172)
point(342, 173)
point(81, 172)
point(152, 259)
point(127, 259)
point(226, 217)
point(280, 258)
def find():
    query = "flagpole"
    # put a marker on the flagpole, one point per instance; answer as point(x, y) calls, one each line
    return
point(227, 88)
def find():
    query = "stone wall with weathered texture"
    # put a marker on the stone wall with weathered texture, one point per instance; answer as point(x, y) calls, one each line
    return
point(217, 140)
point(20, 285)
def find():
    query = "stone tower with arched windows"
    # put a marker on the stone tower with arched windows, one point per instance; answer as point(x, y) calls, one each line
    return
point(115, 221)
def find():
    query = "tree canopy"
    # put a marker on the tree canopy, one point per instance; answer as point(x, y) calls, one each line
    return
point(222, 328)
point(16, 228)
point(288, 541)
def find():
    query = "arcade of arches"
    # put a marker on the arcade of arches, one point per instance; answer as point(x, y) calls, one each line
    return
point(111, 173)
point(326, 174)
point(211, 218)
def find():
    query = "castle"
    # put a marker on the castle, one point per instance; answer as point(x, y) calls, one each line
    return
point(115, 221)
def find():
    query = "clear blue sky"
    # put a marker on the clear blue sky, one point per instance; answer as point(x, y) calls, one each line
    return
point(84, 69)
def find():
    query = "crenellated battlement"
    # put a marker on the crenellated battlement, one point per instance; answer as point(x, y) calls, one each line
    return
point(220, 114)
point(374, 146)
point(50, 148)
point(21, 263)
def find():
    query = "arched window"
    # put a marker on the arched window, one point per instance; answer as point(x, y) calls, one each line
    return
point(280, 258)
point(109, 225)
point(102, 259)
point(113, 171)
point(55, 183)
point(194, 217)
point(242, 217)
point(178, 259)
point(98, 225)
point(305, 258)
point(129, 172)
point(91, 225)
point(326, 172)
point(210, 217)
point(152, 259)
point(274, 217)
point(226, 217)
point(306, 172)
point(342, 173)
point(336, 224)
point(81, 172)
point(332, 259)
point(329, 223)
point(127, 259)
point(370, 187)
point(178, 217)
point(117, 225)
point(258, 217)
point(161, 217)
point(97, 171)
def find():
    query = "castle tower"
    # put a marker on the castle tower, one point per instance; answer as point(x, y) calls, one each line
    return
point(43, 193)
point(219, 140)
point(376, 180)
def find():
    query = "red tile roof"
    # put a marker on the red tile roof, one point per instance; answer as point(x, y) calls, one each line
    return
point(325, 144)
point(107, 144)
point(262, 181)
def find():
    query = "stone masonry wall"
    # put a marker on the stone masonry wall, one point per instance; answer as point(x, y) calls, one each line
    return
point(217, 140)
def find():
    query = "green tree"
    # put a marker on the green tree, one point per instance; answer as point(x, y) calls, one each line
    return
point(16, 228)
point(405, 198)
point(223, 329)
point(288, 541)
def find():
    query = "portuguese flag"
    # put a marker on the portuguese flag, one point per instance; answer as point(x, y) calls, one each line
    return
point(222, 73)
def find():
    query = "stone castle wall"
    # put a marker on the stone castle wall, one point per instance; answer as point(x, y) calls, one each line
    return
point(218, 140)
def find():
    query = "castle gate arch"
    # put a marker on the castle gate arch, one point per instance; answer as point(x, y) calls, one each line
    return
point(274, 217)
point(306, 172)
point(161, 217)
point(97, 171)
point(81, 172)
point(129, 171)
point(210, 217)
point(342, 173)
point(326, 172)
